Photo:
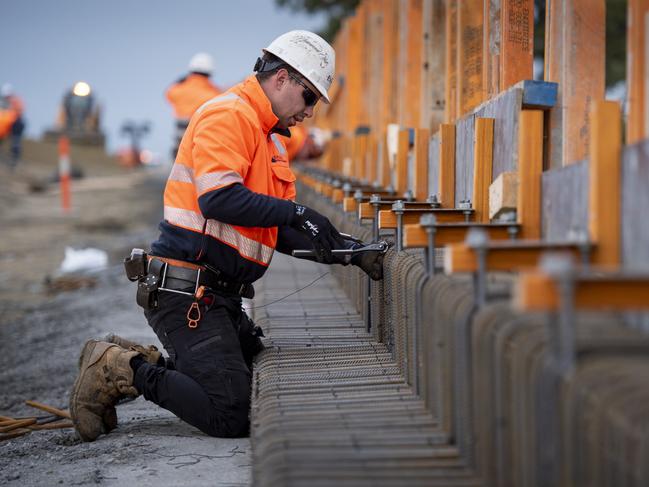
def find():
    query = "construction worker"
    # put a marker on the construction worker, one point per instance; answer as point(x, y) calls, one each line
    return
point(12, 124)
point(228, 205)
point(190, 92)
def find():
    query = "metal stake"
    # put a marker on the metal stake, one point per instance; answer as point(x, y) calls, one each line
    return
point(398, 208)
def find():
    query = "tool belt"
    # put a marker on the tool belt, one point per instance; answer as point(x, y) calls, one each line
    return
point(156, 274)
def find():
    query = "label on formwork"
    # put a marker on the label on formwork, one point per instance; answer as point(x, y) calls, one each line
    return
point(392, 142)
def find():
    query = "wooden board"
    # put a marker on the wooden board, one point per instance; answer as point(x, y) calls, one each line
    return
point(434, 58)
point(374, 54)
point(390, 16)
point(605, 182)
point(517, 42)
point(511, 256)
point(530, 171)
point(482, 163)
point(420, 183)
point(538, 292)
point(451, 79)
point(470, 52)
point(414, 63)
point(635, 202)
point(356, 114)
point(637, 62)
point(574, 55)
point(503, 193)
point(388, 218)
point(565, 202)
point(492, 45)
point(415, 236)
point(349, 204)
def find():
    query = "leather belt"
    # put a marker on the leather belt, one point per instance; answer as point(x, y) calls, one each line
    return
point(178, 275)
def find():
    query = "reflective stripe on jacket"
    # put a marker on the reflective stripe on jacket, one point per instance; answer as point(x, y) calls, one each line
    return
point(189, 94)
point(228, 141)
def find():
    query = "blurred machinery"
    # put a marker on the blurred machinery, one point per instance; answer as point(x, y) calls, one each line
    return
point(134, 155)
point(79, 117)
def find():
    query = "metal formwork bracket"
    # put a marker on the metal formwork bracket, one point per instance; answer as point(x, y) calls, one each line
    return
point(398, 208)
point(358, 196)
point(428, 222)
point(433, 201)
point(375, 202)
point(561, 268)
point(477, 239)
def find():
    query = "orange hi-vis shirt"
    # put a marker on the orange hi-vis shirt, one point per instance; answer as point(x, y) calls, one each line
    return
point(229, 140)
point(189, 94)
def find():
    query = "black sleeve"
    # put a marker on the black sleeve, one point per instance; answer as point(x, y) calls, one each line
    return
point(237, 205)
point(289, 239)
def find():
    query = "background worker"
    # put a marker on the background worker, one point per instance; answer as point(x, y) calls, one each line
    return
point(12, 124)
point(190, 92)
point(228, 205)
point(304, 143)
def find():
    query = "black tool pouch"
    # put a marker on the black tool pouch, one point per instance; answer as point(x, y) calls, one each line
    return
point(136, 265)
point(147, 291)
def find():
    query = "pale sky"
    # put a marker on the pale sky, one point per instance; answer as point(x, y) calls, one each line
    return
point(129, 52)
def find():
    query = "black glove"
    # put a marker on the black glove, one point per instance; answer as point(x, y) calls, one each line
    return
point(371, 262)
point(320, 231)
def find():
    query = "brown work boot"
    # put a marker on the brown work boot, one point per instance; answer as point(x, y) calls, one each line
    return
point(150, 353)
point(105, 375)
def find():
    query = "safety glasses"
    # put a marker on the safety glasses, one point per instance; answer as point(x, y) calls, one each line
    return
point(310, 98)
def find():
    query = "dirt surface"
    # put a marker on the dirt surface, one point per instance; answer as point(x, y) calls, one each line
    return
point(45, 317)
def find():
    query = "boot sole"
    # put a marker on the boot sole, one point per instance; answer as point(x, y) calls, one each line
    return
point(86, 353)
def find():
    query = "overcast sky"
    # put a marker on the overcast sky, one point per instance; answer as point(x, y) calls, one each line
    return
point(129, 52)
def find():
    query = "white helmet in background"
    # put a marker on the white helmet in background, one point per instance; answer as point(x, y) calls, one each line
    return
point(6, 90)
point(310, 55)
point(201, 63)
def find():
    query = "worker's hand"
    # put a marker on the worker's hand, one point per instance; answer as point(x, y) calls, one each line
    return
point(320, 231)
point(371, 262)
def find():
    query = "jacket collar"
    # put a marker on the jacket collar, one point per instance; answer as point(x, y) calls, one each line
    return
point(252, 92)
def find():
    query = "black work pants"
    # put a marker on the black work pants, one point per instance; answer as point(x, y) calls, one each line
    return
point(209, 383)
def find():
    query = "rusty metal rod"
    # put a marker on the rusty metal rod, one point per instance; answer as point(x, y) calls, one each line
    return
point(49, 409)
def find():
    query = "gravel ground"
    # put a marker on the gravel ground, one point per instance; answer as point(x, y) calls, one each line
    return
point(46, 317)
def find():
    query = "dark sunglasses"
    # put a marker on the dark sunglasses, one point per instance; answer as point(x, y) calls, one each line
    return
point(310, 98)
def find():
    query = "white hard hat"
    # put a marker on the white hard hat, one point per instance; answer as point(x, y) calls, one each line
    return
point(201, 63)
point(310, 55)
point(6, 90)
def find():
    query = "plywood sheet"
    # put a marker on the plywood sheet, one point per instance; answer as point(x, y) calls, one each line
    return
point(433, 165)
point(565, 202)
point(635, 204)
point(464, 159)
point(505, 110)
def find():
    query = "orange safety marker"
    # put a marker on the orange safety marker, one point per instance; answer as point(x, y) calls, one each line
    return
point(64, 172)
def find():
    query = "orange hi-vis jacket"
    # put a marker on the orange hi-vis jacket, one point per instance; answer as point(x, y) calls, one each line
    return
point(9, 114)
point(190, 93)
point(296, 141)
point(229, 141)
